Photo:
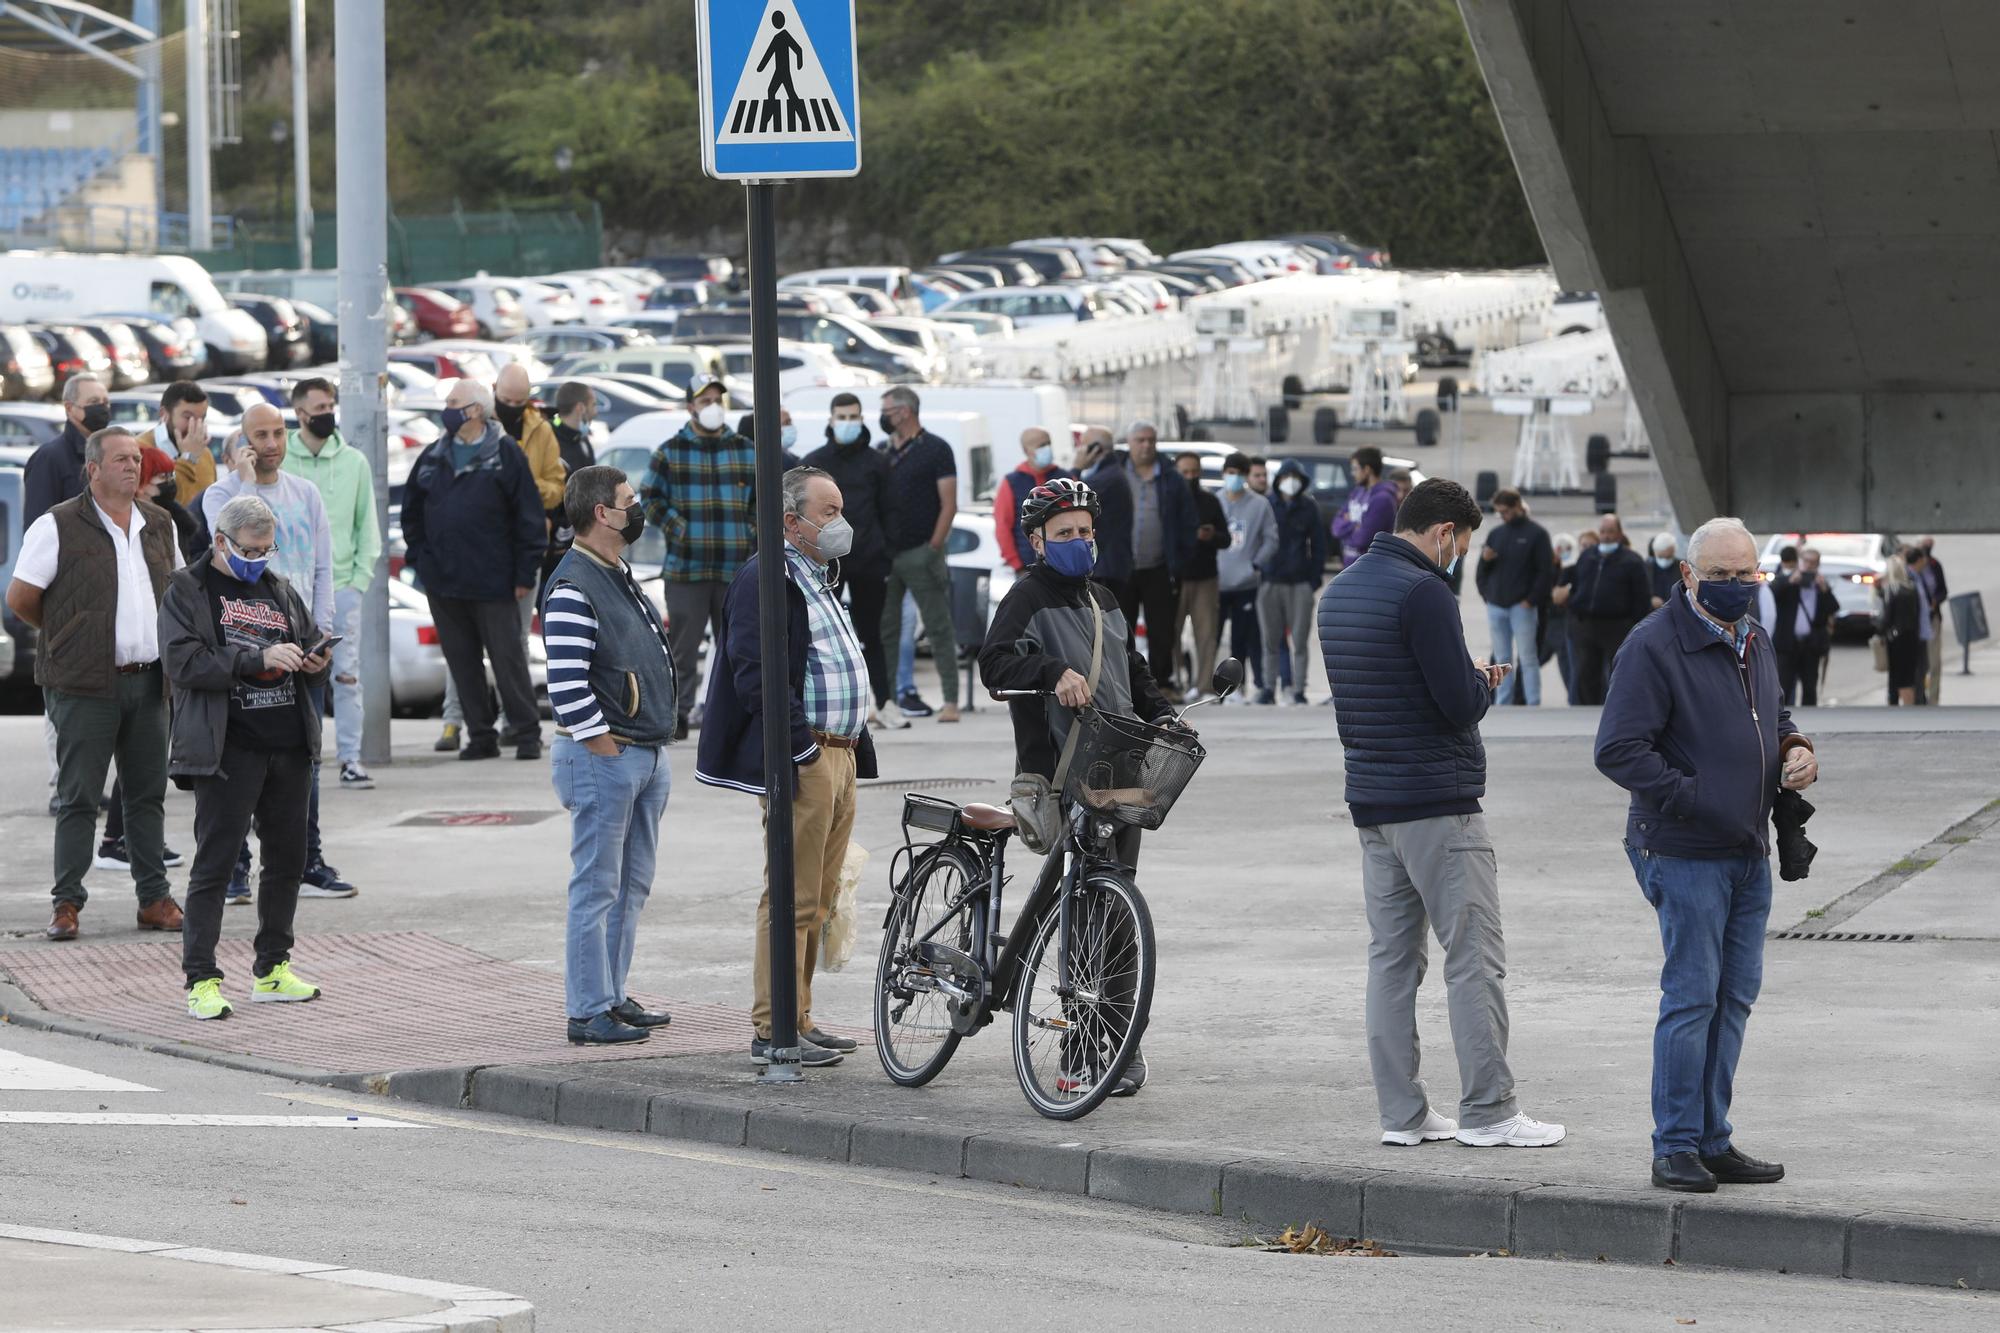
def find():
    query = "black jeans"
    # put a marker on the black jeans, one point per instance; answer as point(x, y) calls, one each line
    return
point(1156, 593)
point(867, 589)
point(1798, 673)
point(1592, 645)
point(1246, 641)
point(272, 788)
point(468, 631)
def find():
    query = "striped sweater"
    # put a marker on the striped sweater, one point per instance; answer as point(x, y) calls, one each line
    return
point(569, 633)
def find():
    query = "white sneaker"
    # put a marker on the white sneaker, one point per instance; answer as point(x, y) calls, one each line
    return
point(1434, 1129)
point(1520, 1132)
point(1192, 695)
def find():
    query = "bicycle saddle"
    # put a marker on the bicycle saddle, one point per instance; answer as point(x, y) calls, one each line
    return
point(986, 818)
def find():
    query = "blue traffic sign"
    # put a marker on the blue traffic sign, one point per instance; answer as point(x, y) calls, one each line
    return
point(779, 89)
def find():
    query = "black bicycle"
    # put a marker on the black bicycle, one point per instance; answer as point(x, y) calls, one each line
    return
point(1076, 970)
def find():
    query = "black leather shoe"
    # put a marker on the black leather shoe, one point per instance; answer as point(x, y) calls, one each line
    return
point(1733, 1168)
point(628, 1011)
point(1683, 1171)
point(481, 750)
point(528, 750)
point(828, 1040)
point(603, 1030)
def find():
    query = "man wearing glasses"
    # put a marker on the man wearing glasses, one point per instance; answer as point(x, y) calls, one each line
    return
point(1674, 734)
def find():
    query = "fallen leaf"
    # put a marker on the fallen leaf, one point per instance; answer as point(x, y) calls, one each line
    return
point(1310, 1239)
point(240, 1202)
point(1684, 1321)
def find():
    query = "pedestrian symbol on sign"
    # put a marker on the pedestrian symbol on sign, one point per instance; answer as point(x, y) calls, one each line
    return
point(783, 94)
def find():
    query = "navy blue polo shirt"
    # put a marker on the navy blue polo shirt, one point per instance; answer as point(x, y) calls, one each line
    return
point(914, 472)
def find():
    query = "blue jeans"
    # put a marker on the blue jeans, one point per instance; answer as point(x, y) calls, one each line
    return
point(906, 651)
point(1712, 916)
point(615, 804)
point(1514, 631)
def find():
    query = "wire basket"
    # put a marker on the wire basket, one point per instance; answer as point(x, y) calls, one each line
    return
point(1129, 770)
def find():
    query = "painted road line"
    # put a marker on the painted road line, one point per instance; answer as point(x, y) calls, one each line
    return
point(25, 1073)
point(233, 1121)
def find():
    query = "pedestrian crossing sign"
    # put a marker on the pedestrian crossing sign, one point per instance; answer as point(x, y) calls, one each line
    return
point(779, 89)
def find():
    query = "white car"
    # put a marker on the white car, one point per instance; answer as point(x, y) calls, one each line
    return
point(1851, 562)
point(921, 338)
point(497, 353)
point(495, 304)
point(982, 324)
point(800, 366)
point(541, 306)
point(1267, 259)
point(1028, 307)
point(891, 280)
point(416, 662)
point(597, 300)
point(1097, 259)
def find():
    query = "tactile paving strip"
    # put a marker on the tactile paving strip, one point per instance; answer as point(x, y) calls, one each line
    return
point(390, 1001)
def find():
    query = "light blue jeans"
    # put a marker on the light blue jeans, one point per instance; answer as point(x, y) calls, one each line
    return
point(1515, 631)
point(615, 805)
point(347, 663)
point(906, 654)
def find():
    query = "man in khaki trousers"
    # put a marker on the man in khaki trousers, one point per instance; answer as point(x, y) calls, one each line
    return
point(830, 745)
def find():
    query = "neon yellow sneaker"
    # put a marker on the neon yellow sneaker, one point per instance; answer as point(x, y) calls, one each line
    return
point(280, 986)
point(205, 1000)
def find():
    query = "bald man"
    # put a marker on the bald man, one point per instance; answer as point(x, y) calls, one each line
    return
point(1037, 466)
point(522, 420)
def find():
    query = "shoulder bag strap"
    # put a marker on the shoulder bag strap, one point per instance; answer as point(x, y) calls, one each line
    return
point(1090, 683)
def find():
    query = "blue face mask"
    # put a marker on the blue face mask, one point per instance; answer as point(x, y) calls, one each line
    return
point(244, 568)
point(789, 436)
point(1664, 561)
point(1450, 544)
point(1045, 456)
point(1606, 548)
point(1072, 559)
point(1236, 483)
point(846, 432)
point(453, 419)
point(1725, 599)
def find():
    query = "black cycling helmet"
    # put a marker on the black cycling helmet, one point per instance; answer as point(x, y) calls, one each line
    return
point(1053, 497)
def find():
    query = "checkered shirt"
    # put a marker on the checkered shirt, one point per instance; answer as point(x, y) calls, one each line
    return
point(836, 672)
point(700, 492)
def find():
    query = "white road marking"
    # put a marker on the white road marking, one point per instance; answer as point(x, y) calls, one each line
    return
point(173, 1119)
point(25, 1073)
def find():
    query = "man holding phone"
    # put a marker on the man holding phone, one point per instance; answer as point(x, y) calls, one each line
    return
point(1408, 697)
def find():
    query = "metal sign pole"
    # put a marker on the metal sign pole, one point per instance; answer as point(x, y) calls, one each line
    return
point(771, 577)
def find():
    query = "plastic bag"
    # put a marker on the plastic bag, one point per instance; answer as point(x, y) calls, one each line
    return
point(836, 938)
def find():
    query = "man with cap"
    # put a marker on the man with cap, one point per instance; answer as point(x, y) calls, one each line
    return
point(700, 491)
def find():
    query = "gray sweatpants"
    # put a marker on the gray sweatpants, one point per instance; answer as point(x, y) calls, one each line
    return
point(1281, 607)
point(1441, 870)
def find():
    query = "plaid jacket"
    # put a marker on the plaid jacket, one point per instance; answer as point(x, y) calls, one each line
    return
point(700, 492)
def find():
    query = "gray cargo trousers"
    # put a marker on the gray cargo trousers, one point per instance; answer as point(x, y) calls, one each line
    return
point(1440, 872)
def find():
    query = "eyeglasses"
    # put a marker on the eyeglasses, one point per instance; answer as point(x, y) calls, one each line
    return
point(1729, 576)
point(248, 553)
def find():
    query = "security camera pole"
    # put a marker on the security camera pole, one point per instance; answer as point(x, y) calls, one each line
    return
point(779, 101)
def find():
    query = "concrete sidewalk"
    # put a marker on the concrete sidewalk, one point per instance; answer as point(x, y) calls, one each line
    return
point(59, 1280)
point(1261, 1104)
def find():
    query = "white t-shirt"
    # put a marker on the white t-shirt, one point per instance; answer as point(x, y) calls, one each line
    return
point(304, 538)
point(136, 634)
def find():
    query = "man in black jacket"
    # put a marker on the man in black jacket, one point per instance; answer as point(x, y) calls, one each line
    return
point(1606, 593)
point(1407, 699)
point(1516, 572)
point(862, 474)
point(55, 471)
point(1803, 636)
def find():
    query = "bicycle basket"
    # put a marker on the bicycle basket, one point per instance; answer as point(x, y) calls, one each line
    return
point(1129, 770)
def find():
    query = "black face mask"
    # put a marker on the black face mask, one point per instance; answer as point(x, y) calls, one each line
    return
point(511, 417)
point(635, 524)
point(887, 423)
point(320, 426)
point(167, 491)
point(96, 417)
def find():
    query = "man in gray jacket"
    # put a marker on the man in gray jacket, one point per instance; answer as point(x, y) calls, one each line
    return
point(244, 660)
point(1253, 540)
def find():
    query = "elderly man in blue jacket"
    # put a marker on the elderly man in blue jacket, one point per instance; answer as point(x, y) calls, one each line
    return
point(828, 725)
point(1408, 697)
point(1702, 785)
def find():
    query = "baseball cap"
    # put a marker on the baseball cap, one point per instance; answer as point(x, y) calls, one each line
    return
point(698, 383)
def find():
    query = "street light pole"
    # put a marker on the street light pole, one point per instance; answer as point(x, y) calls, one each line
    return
point(302, 209)
point(280, 131)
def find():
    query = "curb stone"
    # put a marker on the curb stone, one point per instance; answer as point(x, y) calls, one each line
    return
point(1439, 1214)
point(468, 1309)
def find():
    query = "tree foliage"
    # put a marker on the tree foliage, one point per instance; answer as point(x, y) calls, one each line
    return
point(1184, 122)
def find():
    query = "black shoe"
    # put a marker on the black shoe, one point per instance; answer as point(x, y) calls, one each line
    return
point(111, 855)
point(1683, 1171)
point(912, 705)
point(528, 750)
point(171, 858)
point(810, 1055)
point(603, 1030)
point(1733, 1168)
point(828, 1040)
point(481, 750)
point(628, 1011)
point(681, 730)
point(321, 880)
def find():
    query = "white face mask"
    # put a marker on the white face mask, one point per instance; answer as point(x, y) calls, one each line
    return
point(836, 539)
point(710, 417)
point(1289, 487)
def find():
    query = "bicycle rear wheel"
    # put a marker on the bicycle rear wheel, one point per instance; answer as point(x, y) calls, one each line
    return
point(913, 1032)
point(1074, 1035)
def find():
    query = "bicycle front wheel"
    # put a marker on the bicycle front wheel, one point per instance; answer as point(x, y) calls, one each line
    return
point(1074, 1034)
point(913, 1032)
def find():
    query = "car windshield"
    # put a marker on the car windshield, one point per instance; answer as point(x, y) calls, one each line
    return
point(1839, 545)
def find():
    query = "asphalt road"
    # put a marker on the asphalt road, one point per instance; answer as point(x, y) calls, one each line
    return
point(609, 1232)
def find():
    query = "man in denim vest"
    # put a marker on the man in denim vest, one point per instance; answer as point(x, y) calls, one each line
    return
point(613, 690)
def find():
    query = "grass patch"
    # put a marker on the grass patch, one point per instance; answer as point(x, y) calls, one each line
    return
point(1911, 865)
point(1815, 911)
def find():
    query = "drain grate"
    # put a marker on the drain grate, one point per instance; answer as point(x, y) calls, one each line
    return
point(1844, 936)
point(922, 784)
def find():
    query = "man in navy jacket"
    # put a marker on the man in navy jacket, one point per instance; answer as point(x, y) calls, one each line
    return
point(1702, 784)
point(1408, 697)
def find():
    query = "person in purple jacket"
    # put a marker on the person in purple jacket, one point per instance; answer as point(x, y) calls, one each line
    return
point(1698, 836)
point(1371, 505)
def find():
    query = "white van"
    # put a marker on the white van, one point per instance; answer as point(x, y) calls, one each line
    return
point(54, 285)
point(891, 280)
point(1008, 407)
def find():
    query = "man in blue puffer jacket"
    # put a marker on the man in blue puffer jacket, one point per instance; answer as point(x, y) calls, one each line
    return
point(1408, 697)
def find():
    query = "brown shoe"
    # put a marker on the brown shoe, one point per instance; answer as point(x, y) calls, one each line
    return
point(62, 926)
point(948, 713)
point(162, 915)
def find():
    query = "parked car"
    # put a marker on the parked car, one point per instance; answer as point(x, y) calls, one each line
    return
point(681, 295)
point(496, 306)
point(1853, 564)
point(284, 331)
point(852, 340)
point(174, 349)
point(446, 365)
point(30, 425)
point(25, 369)
point(676, 363)
point(891, 280)
point(1030, 307)
point(1346, 252)
point(1094, 257)
point(499, 353)
point(800, 366)
point(981, 323)
point(72, 352)
point(438, 315)
point(598, 301)
point(716, 270)
point(1049, 263)
point(129, 364)
point(553, 344)
point(322, 333)
point(972, 276)
point(20, 675)
point(617, 403)
point(416, 661)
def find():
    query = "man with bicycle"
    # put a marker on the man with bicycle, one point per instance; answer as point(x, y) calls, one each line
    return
point(1059, 633)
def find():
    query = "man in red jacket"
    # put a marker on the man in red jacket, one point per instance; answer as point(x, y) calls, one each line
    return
point(1037, 465)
